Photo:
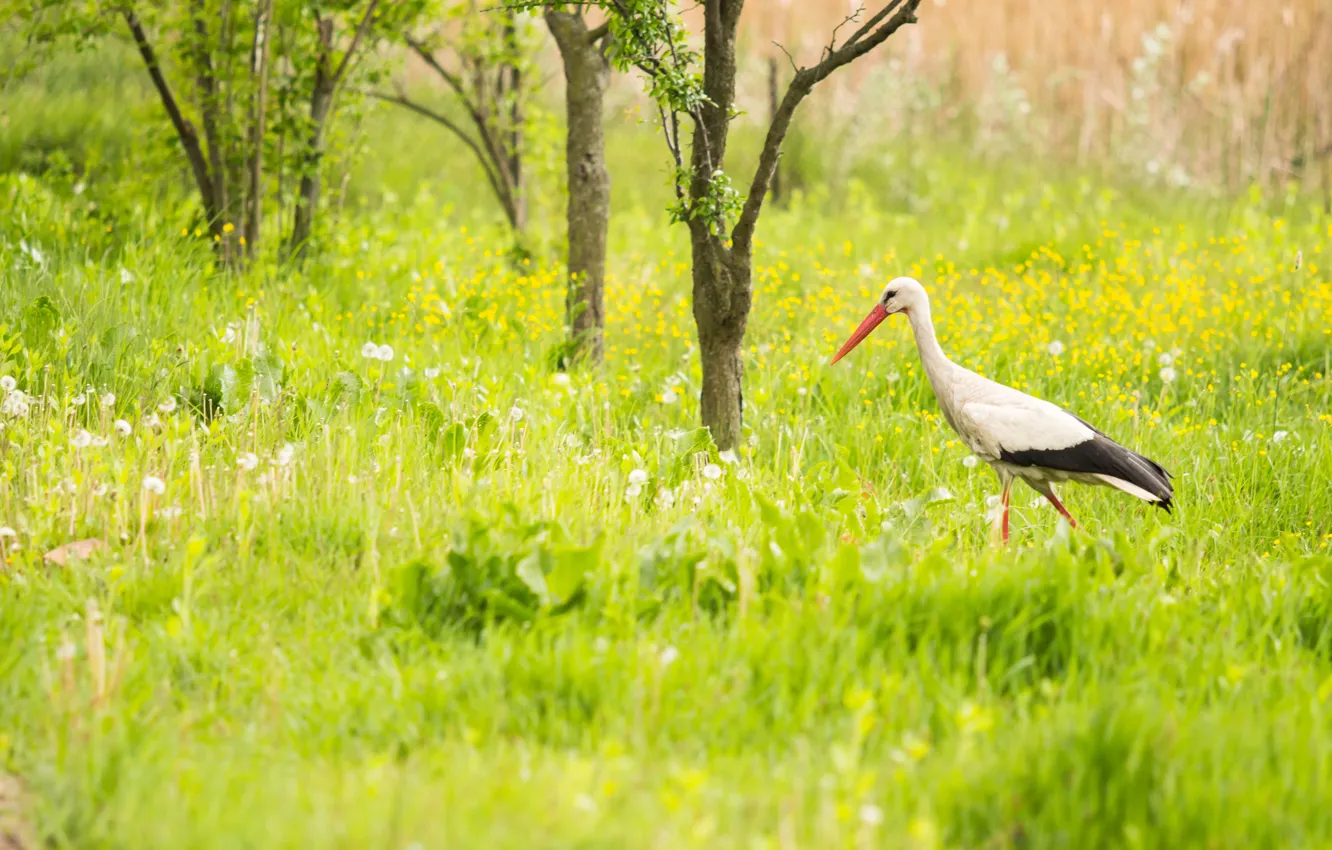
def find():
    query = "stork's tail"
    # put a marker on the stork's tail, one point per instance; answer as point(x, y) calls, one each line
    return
point(1108, 462)
point(1138, 475)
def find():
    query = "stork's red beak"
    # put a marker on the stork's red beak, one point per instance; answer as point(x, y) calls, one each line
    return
point(872, 321)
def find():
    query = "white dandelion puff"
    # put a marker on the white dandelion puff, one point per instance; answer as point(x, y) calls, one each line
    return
point(8, 384)
point(286, 454)
point(1166, 359)
point(712, 472)
point(108, 400)
point(432, 372)
point(1056, 348)
point(247, 461)
point(969, 461)
point(81, 439)
point(670, 396)
point(168, 406)
point(1279, 436)
point(1167, 375)
point(123, 428)
point(384, 353)
point(370, 351)
point(15, 404)
point(154, 485)
point(669, 656)
point(728, 457)
point(638, 476)
point(516, 414)
point(560, 379)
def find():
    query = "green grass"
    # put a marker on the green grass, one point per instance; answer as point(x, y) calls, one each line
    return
point(423, 618)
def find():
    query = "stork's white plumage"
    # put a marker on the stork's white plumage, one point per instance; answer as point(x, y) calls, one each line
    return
point(1020, 436)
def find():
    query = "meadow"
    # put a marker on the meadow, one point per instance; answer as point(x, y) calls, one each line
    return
point(372, 572)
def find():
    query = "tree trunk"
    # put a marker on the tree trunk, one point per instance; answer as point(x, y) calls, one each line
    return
point(321, 102)
point(722, 277)
point(206, 81)
point(586, 74)
point(254, 194)
point(721, 314)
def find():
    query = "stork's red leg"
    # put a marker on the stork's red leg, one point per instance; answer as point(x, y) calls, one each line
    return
point(1059, 506)
point(1008, 485)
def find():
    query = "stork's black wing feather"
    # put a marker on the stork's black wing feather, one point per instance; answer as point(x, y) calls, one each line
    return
point(1100, 455)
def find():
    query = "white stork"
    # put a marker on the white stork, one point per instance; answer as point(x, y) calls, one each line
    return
point(1018, 435)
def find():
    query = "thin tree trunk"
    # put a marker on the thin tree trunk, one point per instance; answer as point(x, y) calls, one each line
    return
point(206, 80)
point(514, 143)
point(773, 101)
point(321, 102)
point(586, 74)
point(185, 132)
point(254, 196)
point(327, 79)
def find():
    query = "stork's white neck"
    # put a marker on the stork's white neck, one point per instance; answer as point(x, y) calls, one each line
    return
point(937, 365)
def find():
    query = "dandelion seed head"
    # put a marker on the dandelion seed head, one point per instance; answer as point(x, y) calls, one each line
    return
point(154, 485)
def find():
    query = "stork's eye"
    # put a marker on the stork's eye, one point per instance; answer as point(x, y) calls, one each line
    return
point(889, 296)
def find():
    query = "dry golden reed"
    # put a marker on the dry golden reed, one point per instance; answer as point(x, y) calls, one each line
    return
point(1219, 91)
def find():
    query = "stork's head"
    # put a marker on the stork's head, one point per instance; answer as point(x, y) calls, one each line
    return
point(901, 295)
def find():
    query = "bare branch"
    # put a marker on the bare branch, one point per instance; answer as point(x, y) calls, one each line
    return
point(361, 30)
point(832, 41)
point(428, 56)
point(859, 44)
point(451, 126)
point(872, 22)
point(189, 139)
point(789, 57)
point(801, 85)
point(474, 111)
